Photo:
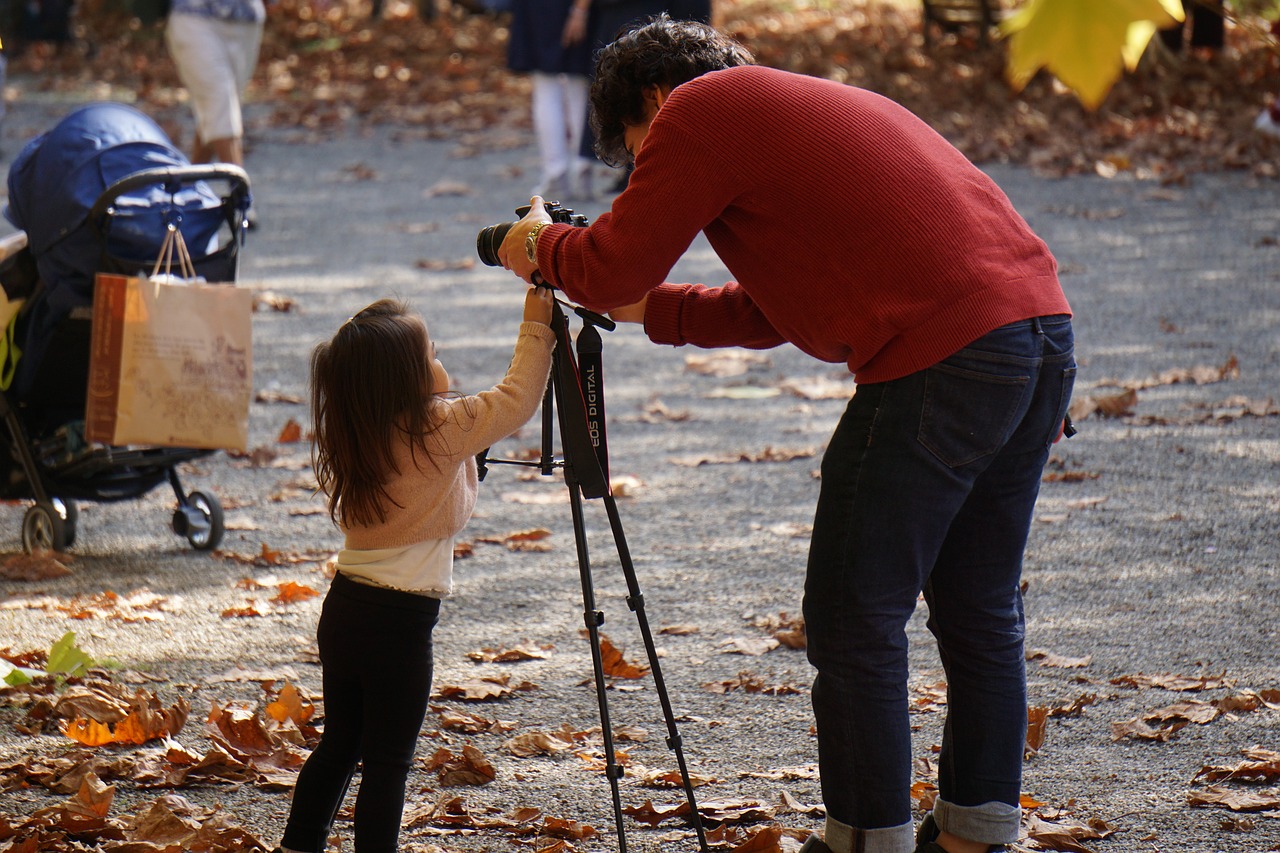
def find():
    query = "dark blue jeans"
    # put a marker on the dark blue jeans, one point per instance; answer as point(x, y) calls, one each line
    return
point(929, 483)
point(375, 647)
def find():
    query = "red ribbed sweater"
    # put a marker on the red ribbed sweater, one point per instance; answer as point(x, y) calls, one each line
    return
point(854, 231)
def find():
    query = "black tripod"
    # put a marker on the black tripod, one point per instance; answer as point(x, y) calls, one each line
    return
point(577, 395)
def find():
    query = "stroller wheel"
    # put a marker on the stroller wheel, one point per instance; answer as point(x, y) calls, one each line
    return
point(43, 529)
point(70, 515)
point(200, 521)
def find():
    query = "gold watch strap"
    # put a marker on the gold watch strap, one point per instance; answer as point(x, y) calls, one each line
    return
point(531, 242)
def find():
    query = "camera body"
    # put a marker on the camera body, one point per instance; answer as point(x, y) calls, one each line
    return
point(491, 236)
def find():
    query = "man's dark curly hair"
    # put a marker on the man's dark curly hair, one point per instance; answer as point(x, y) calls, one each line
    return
point(661, 52)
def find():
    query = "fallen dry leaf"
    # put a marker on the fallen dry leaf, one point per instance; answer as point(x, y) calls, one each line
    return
point(1049, 659)
point(1169, 681)
point(1199, 375)
point(753, 646)
point(519, 652)
point(291, 592)
point(289, 705)
point(785, 628)
point(784, 774)
point(522, 540)
point(462, 721)
point(749, 683)
point(268, 395)
point(442, 265)
point(769, 454)
point(36, 566)
point(1236, 799)
point(819, 387)
point(655, 411)
point(1259, 767)
point(529, 744)
point(616, 665)
point(669, 778)
point(724, 363)
point(272, 302)
point(1037, 717)
point(1141, 730)
point(469, 767)
point(290, 433)
point(1116, 405)
point(1064, 835)
point(447, 187)
point(482, 689)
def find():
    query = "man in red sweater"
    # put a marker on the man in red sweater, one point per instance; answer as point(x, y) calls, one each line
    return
point(859, 235)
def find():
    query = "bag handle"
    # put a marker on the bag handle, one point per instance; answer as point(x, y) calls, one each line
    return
point(174, 244)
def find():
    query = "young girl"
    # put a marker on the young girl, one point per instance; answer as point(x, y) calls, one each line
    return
point(395, 453)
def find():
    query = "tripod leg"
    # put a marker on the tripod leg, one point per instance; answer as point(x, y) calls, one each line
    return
point(594, 619)
point(635, 600)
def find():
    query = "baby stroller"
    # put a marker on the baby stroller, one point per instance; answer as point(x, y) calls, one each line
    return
point(97, 193)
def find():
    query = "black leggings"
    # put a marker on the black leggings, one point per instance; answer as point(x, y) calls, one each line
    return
point(375, 647)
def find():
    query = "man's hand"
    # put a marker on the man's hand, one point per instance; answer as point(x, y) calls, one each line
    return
point(633, 313)
point(512, 251)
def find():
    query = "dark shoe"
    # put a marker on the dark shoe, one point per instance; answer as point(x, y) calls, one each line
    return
point(927, 836)
point(815, 845)
point(928, 831)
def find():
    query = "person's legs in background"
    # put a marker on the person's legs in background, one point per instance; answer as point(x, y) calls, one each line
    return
point(559, 104)
point(215, 60)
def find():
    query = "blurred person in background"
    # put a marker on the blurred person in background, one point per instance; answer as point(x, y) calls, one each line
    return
point(214, 45)
point(549, 42)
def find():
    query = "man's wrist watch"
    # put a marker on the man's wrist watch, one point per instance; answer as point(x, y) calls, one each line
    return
point(531, 242)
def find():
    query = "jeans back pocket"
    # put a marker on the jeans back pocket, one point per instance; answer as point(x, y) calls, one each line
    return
point(968, 414)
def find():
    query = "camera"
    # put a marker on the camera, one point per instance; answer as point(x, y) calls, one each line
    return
point(491, 236)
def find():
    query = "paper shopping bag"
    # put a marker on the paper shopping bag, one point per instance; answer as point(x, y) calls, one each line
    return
point(170, 364)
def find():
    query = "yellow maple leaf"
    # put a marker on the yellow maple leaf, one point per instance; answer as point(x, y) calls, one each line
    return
point(1084, 43)
point(290, 706)
point(131, 730)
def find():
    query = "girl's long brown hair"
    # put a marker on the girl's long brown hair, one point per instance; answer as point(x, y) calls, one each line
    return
point(371, 387)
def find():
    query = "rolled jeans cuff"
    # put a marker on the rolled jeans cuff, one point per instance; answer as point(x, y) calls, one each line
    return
point(989, 823)
point(842, 838)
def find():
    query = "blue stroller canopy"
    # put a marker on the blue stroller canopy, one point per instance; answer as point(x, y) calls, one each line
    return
point(55, 181)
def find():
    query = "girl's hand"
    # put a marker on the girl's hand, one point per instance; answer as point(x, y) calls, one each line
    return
point(512, 251)
point(537, 305)
point(633, 313)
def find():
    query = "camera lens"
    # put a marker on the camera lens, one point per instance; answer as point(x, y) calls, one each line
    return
point(489, 240)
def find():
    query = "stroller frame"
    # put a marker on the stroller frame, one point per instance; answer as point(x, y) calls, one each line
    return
point(108, 473)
